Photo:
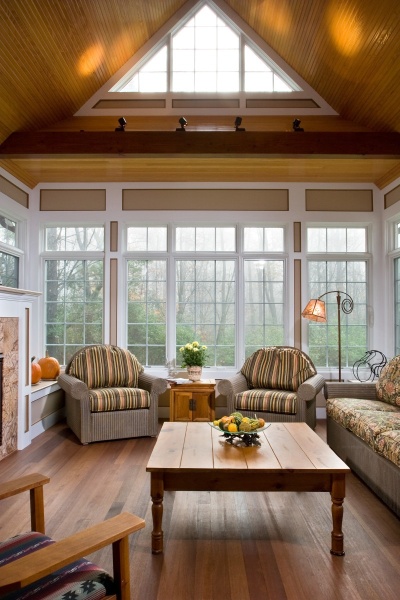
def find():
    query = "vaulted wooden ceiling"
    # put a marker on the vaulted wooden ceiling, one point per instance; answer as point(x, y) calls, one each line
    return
point(55, 55)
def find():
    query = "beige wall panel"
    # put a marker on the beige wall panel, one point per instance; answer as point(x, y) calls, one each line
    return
point(206, 103)
point(231, 200)
point(339, 200)
point(149, 103)
point(14, 192)
point(114, 236)
point(281, 103)
point(392, 197)
point(46, 405)
point(297, 303)
point(73, 200)
point(297, 236)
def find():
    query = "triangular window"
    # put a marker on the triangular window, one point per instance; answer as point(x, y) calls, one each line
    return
point(206, 54)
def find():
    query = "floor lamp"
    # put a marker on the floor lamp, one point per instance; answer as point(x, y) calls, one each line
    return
point(316, 311)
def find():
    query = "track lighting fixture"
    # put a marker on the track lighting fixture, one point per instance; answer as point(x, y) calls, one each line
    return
point(296, 125)
point(238, 122)
point(122, 123)
point(183, 124)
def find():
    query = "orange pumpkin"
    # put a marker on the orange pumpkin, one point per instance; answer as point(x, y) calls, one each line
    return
point(36, 371)
point(50, 367)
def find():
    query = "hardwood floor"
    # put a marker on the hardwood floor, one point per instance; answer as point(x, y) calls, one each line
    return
point(230, 545)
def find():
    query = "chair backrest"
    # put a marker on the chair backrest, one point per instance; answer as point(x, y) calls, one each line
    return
point(388, 384)
point(278, 367)
point(105, 366)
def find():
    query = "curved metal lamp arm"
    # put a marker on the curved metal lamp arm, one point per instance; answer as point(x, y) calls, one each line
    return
point(347, 304)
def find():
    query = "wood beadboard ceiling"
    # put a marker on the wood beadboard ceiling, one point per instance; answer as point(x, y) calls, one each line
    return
point(54, 55)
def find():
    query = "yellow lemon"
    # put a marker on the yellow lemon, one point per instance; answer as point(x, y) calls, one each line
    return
point(232, 427)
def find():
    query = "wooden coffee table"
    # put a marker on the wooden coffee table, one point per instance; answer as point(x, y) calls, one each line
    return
point(291, 458)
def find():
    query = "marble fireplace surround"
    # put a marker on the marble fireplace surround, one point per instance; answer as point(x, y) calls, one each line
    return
point(10, 349)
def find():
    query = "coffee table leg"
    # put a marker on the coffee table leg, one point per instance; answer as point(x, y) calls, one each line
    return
point(157, 496)
point(337, 495)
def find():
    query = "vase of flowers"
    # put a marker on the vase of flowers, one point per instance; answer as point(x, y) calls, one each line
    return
point(194, 358)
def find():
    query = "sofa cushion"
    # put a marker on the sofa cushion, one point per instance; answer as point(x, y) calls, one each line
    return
point(387, 443)
point(81, 579)
point(106, 366)
point(344, 409)
point(121, 398)
point(267, 401)
point(388, 384)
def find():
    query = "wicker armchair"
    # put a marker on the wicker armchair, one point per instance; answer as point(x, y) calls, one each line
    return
point(108, 396)
point(278, 383)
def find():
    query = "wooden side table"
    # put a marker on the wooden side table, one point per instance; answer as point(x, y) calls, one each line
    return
point(192, 401)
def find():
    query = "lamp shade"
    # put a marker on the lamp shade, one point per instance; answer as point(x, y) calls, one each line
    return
point(315, 311)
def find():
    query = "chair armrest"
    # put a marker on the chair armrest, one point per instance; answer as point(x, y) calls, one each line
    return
point(310, 388)
point(41, 563)
point(364, 390)
point(152, 384)
point(232, 386)
point(34, 483)
point(73, 387)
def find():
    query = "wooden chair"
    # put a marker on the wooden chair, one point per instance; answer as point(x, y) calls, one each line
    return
point(37, 565)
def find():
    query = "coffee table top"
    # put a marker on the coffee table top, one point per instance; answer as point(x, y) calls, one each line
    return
point(287, 447)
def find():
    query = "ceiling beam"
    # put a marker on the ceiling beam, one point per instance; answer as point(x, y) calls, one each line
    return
point(96, 144)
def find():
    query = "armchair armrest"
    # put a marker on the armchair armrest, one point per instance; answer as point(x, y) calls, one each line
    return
point(232, 386)
point(73, 387)
point(336, 389)
point(152, 384)
point(34, 483)
point(310, 388)
point(41, 563)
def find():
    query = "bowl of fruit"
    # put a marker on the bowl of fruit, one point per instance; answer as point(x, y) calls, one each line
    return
point(244, 430)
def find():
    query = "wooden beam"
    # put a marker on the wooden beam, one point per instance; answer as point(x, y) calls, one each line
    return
point(200, 143)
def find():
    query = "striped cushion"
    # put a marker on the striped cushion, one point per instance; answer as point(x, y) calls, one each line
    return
point(106, 366)
point(258, 367)
point(277, 368)
point(122, 398)
point(81, 579)
point(267, 401)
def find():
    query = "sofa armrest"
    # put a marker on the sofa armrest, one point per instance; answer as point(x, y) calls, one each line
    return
point(41, 563)
point(338, 389)
point(34, 483)
point(152, 384)
point(73, 387)
point(310, 388)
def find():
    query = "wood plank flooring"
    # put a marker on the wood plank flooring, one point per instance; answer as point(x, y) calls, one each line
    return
point(230, 545)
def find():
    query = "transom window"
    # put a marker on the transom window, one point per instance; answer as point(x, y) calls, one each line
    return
point(336, 239)
point(205, 239)
point(206, 54)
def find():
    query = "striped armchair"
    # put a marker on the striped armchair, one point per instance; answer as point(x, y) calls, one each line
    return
point(278, 383)
point(108, 396)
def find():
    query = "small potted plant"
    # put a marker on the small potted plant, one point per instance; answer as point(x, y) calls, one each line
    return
point(194, 358)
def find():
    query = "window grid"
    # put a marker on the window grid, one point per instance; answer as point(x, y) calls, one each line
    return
point(350, 277)
point(397, 304)
point(73, 306)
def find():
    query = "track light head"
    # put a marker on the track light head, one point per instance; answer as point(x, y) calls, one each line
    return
point(183, 124)
point(238, 122)
point(122, 123)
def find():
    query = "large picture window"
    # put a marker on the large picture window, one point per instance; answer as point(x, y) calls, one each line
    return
point(213, 284)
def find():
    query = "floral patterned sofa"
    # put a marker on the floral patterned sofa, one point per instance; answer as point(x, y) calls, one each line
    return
point(363, 428)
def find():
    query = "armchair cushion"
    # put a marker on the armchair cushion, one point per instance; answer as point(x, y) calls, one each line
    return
point(277, 369)
point(104, 366)
point(267, 401)
point(122, 398)
point(81, 579)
